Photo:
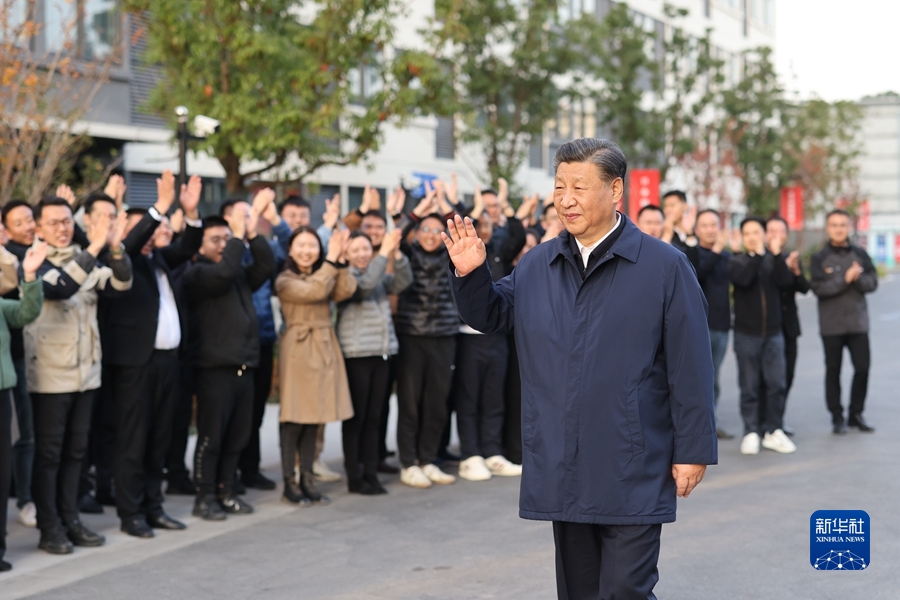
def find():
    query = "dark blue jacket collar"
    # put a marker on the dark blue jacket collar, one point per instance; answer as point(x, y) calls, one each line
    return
point(628, 246)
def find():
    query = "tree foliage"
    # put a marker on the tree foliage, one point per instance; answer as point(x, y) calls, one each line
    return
point(296, 86)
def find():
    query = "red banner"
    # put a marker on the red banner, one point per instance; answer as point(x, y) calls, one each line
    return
point(862, 221)
point(792, 207)
point(643, 190)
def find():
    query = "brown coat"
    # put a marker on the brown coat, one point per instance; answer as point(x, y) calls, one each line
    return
point(313, 378)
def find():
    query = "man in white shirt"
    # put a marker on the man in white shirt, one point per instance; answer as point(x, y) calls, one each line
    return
point(141, 335)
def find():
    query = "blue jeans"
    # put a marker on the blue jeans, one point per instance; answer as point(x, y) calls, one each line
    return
point(23, 450)
point(718, 341)
point(761, 360)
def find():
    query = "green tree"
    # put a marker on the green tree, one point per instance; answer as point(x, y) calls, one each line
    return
point(751, 130)
point(509, 59)
point(296, 86)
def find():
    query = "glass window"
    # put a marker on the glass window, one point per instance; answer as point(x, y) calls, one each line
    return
point(769, 17)
point(91, 27)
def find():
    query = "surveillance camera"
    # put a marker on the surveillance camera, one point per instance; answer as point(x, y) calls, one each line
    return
point(205, 126)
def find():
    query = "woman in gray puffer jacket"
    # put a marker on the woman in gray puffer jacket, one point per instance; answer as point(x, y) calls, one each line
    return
point(366, 333)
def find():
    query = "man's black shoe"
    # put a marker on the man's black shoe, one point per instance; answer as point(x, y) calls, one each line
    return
point(105, 497)
point(238, 487)
point(164, 521)
point(89, 505)
point(181, 486)
point(860, 423)
point(383, 467)
point(233, 505)
point(447, 456)
point(82, 536)
point(258, 481)
point(839, 429)
point(5, 566)
point(724, 435)
point(55, 541)
point(208, 509)
point(137, 527)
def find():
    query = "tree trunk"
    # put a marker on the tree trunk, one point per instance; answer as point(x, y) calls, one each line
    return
point(234, 181)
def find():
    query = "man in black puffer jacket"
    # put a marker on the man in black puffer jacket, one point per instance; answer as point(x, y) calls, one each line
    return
point(426, 323)
point(224, 349)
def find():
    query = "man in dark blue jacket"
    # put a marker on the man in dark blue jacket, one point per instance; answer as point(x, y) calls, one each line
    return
point(617, 375)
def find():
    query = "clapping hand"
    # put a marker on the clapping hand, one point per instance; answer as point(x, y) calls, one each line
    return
point(396, 201)
point(853, 272)
point(775, 246)
point(337, 244)
point(115, 189)
point(190, 197)
point(453, 190)
point(735, 241)
point(391, 243)
point(165, 192)
point(117, 231)
point(237, 222)
point(689, 219)
point(33, 260)
point(466, 249)
point(264, 205)
point(793, 262)
point(66, 193)
point(332, 211)
point(427, 205)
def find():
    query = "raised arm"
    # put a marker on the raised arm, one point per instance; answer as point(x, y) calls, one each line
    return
point(310, 290)
point(19, 313)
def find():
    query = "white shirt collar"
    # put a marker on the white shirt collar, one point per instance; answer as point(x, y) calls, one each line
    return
point(586, 250)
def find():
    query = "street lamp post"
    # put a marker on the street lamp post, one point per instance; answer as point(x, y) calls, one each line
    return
point(182, 113)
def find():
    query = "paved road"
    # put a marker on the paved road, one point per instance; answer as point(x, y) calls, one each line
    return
point(742, 535)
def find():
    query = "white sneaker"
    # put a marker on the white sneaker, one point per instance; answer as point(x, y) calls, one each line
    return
point(474, 469)
point(500, 466)
point(28, 515)
point(437, 476)
point(750, 444)
point(779, 442)
point(415, 477)
point(323, 473)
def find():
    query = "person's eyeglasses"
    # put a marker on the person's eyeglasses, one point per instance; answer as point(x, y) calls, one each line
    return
point(63, 222)
point(430, 230)
point(219, 240)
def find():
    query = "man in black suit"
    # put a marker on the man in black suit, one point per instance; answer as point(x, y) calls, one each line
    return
point(141, 333)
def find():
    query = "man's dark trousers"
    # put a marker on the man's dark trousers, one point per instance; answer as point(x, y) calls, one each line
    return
point(606, 562)
point(425, 377)
point(145, 399)
point(61, 426)
point(262, 387)
point(224, 413)
point(182, 415)
point(478, 393)
point(858, 345)
point(761, 363)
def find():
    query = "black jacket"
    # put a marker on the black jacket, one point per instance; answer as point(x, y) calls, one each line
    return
point(712, 273)
point(501, 252)
point(758, 281)
point(128, 323)
point(16, 343)
point(790, 320)
point(842, 306)
point(223, 328)
point(426, 308)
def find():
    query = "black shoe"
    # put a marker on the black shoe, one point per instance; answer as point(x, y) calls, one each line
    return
point(105, 497)
point(371, 480)
point(860, 423)
point(383, 467)
point(788, 431)
point(308, 487)
point(88, 504)
point(137, 527)
point(238, 488)
point(258, 481)
point(390, 453)
point(447, 456)
point(724, 435)
point(82, 536)
point(55, 541)
point(164, 521)
point(293, 494)
point(233, 505)
point(208, 509)
point(181, 486)
point(5, 566)
point(839, 428)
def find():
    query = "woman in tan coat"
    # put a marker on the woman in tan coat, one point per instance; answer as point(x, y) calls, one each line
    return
point(313, 378)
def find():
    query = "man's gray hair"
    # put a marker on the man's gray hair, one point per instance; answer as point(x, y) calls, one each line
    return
point(606, 154)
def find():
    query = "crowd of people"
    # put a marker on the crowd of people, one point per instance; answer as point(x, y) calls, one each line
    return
point(751, 281)
point(117, 322)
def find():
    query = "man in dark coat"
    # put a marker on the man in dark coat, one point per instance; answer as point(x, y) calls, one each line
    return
point(141, 332)
point(842, 275)
point(617, 375)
